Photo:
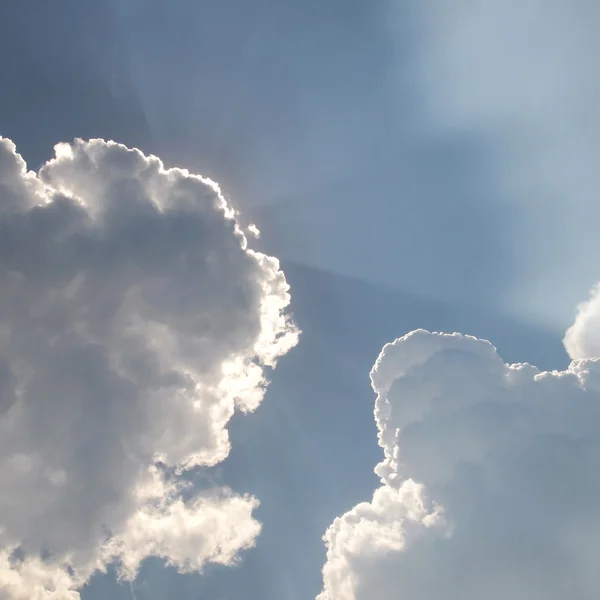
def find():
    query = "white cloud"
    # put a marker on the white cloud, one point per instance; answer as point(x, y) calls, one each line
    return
point(490, 485)
point(254, 230)
point(134, 320)
point(582, 339)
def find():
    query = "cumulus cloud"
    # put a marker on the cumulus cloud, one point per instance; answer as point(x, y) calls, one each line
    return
point(134, 320)
point(490, 485)
point(582, 339)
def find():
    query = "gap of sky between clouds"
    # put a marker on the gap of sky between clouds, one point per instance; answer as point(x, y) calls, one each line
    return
point(335, 127)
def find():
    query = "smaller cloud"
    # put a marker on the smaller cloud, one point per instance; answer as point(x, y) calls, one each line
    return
point(254, 230)
point(582, 339)
point(489, 481)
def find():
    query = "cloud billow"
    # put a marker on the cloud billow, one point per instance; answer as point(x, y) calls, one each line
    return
point(582, 339)
point(134, 320)
point(489, 482)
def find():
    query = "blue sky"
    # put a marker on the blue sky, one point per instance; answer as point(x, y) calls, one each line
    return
point(411, 167)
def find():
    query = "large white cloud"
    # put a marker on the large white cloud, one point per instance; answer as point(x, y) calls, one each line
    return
point(134, 320)
point(490, 486)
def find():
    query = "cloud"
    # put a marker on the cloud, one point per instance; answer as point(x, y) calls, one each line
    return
point(134, 320)
point(582, 339)
point(489, 482)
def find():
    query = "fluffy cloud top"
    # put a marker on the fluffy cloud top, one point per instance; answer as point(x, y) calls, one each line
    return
point(582, 339)
point(490, 480)
point(134, 320)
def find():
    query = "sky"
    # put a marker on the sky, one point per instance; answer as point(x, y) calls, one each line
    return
point(187, 405)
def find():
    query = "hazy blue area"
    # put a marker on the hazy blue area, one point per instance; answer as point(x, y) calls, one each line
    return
point(313, 124)
point(295, 109)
